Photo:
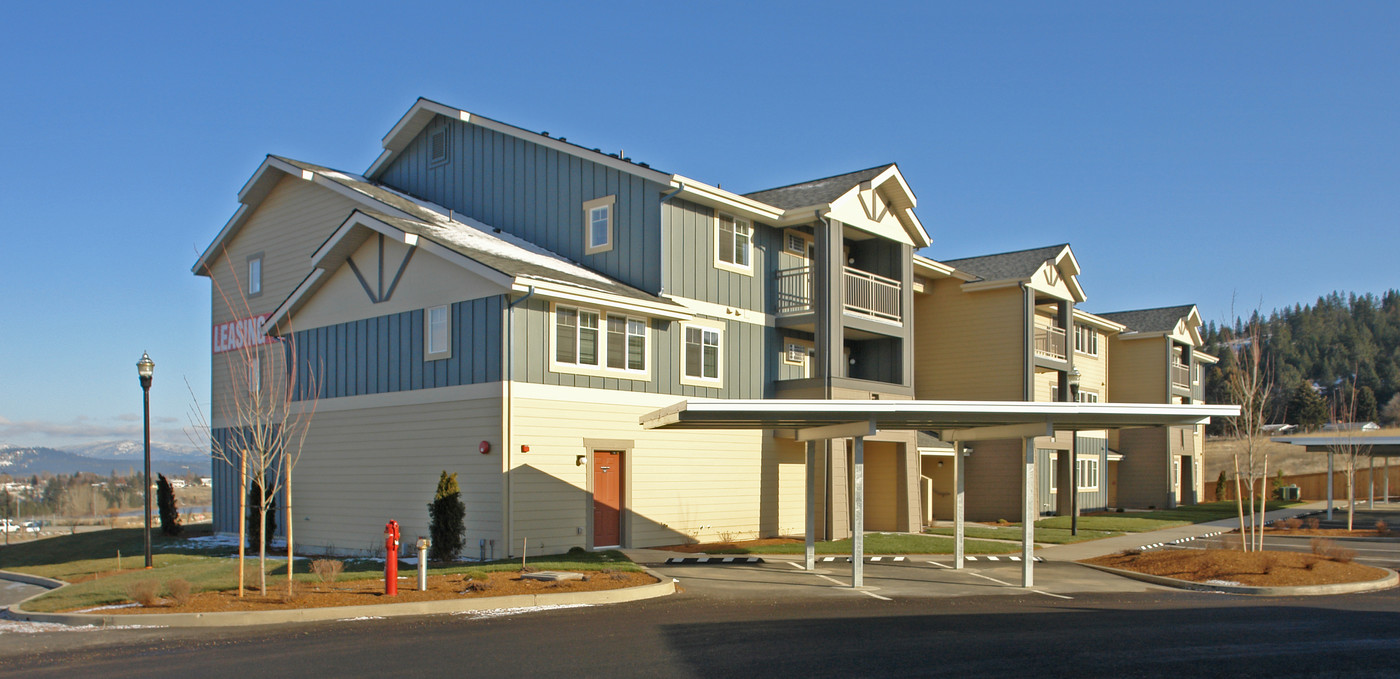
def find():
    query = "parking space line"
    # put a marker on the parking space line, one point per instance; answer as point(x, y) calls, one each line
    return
point(940, 565)
point(796, 565)
point(1001, 582)
point(877, 596)
point(829, 578)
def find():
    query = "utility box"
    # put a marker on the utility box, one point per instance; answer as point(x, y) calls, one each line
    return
point(1290, 492)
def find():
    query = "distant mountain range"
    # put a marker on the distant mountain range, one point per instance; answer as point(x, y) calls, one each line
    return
point(101, 458)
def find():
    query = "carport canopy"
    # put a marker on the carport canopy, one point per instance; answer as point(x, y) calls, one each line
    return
point(954, 421)
point(1361, 443)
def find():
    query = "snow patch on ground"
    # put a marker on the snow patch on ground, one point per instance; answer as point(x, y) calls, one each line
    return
point(1225, 583)
point(25, 627)
point(363, 617)
point(503, 612)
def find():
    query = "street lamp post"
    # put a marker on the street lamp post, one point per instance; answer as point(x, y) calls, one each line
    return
point(145, 368)
point(1074, 379)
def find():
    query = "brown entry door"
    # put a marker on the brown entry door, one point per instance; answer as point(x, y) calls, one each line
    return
point(607, 499)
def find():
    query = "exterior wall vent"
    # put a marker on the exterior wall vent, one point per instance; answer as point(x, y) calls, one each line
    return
point(440, 147)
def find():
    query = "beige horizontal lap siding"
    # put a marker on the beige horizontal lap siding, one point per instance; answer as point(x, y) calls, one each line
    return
point(1093, 369)
point(361, 468)
point(994, 479)
point(290, 223)
point(1144, 473)
point(678, 485)
point(968, 345)
point(1139, 372)
point(881, 486)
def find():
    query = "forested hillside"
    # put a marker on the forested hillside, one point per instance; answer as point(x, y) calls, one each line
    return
point(1342, 344)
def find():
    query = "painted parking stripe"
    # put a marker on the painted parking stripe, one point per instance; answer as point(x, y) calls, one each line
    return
point(714, 560)
point(940, 565)
point(993, 558)
point(872, 594)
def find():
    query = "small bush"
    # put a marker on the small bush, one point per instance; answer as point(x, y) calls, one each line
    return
point(447, 519)
point(476, 586)
point(169, 508)
point(1328, 549)
point(292, 594)
point(327, 569)
point(144, 592)
point(1293, 523)
point(1314, 523)
point(577, 551)
point(1382, 528)
point(180, 590)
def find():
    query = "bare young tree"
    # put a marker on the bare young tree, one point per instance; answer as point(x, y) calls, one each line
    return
point(1349, 444)
point(1249, 384)
point(266, 410)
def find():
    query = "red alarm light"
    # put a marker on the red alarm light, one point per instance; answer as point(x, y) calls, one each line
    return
point(485, 447)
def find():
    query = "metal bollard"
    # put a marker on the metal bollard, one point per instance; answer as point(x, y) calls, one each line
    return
point(423, 545)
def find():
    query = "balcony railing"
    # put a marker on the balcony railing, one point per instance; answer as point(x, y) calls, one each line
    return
point(1181, 375)
point(1050, 342)
point(866, 293)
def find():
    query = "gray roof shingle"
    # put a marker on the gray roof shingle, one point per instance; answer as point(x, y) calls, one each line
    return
point(1007, 265)
point(1162, 319)
point(817, 191)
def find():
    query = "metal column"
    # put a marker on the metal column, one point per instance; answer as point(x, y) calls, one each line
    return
point(1028, 514)
point(1371, 481)
point(858, 515)
point(811, 549)
point(959, 486)
point(1329, 485)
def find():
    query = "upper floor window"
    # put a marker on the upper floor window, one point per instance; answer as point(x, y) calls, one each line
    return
point(700, 354)
point(1086, 340)
point(593, 342)
point(438, 333)
point(255, 274)
point(734, 242)
point(598, 225)
point(1086, 396)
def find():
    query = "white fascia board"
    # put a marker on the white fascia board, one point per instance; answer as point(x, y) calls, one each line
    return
point(1068, 253)
point(916, 229)
point(934, 268)
point(892, 173)
point(234, 223)
point(1097, 321)
point(1203, 357)
point(250, 196)
point(358, 219)
point(564, 291)
point(423, 111)
point(975, 286)
point(714, 196)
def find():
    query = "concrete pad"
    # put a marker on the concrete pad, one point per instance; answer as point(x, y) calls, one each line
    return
point(552, 576)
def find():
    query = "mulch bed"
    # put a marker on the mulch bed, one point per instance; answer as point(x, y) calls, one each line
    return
point(364, 592)
point(1255, 569)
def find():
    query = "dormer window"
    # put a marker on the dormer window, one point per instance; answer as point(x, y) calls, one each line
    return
point(734, 240)
point(598, 225)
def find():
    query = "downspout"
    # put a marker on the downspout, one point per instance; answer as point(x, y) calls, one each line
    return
point(509, 412)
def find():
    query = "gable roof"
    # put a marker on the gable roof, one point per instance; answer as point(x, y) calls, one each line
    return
point(1161, 319)
point(816, 191)
point(1017, 265)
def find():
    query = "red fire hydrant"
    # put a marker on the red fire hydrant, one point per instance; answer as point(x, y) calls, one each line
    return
point(391, 558)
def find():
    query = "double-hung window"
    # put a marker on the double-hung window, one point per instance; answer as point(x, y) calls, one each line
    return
point(598, 225)
point(1086, 340)
point(701, 354)
point(627, 343)
point(734, 243)
point(576, 336)
point(255, 275)
point(438, 333)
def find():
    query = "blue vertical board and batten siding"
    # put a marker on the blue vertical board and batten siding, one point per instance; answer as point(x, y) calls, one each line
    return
point(690, 259)
point(537, 193)
point(385, 353)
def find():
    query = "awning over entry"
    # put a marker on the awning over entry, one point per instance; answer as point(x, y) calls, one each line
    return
point(955, 422)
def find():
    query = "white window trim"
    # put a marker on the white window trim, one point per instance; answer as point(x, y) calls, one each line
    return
point(255, 282)
point(1087, 396)
point(1054, 473)
point(1088, 473)
point(808, 347)
point(444, 352)
point(718, 380)
point(602, 369)
point(588, 206)
point(730, 266)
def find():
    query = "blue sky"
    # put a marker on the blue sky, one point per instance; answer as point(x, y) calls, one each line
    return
point(1190, 152)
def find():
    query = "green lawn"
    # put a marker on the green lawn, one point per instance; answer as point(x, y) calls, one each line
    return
point(78, 558)
point(1138, 522)
point(1051, 536)
point(880, 543)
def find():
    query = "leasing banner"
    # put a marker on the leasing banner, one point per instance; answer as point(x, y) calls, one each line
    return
point(245, 332)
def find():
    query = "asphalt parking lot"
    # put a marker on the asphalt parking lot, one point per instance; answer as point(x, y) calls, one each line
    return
point(914, 577)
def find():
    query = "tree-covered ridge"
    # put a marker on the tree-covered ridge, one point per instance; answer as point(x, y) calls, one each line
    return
point(1342, 341)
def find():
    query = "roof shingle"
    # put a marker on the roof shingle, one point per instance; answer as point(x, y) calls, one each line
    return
point(1007, 265)
point(816, 191)
point(1161, 319)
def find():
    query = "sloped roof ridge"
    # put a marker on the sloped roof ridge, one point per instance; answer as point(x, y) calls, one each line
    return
point(1015, 264)
point(815, 191)
point(1157, 319)
point(876, 170)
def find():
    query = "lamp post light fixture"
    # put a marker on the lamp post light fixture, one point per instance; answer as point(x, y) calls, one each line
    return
point(145, 368)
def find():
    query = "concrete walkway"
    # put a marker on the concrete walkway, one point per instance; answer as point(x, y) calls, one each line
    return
point(1093, 548)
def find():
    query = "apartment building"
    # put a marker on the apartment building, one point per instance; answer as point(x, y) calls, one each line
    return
point(504, 304)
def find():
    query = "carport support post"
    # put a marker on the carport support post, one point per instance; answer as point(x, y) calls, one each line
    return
point(811, 549)
point(1371, 482)
point(1028, 513)
point(959, 484)
point(1329, 485)
point(858, 515)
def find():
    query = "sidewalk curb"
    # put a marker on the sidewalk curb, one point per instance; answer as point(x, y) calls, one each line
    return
point(28, 579)
point(1390, 580)
point(666, 586)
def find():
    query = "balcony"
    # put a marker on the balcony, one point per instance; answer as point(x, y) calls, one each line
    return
point(1181, 375)
point(1050, 342)
point(866, 294)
